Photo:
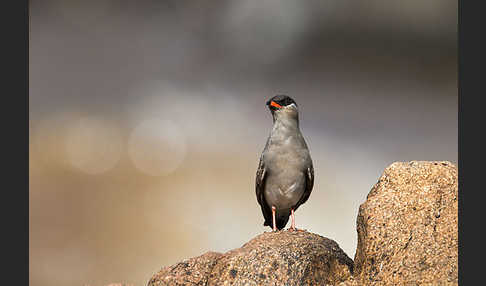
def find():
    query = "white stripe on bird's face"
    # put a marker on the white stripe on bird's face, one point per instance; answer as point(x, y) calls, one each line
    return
point(292, 106)
point(289, 111)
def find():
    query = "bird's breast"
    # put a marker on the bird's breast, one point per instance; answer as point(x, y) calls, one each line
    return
point(286, 160)
point(284, 190)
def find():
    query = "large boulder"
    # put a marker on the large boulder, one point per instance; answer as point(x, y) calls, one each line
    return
point(272, 258)
point(284, 258)
point(407, 228)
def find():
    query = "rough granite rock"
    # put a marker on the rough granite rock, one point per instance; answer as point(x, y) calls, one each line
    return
point(194, 271)
point(349, 282)
point(407, 235)
point(283, 258)
point(407, 228)
point(271, 258)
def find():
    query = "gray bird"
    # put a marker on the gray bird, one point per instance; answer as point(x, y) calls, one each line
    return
point(285, 174)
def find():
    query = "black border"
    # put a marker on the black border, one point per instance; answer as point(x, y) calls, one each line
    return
point(471, 81)
point(15, 141)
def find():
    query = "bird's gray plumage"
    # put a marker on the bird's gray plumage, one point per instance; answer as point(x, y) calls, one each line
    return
point(285, 175)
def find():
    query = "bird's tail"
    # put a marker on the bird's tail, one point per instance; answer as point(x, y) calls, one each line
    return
point(282, 221)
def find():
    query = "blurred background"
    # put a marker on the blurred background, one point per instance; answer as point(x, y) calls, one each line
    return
point(147, 120)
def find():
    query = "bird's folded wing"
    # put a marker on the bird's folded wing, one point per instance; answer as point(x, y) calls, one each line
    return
point(309, 184)
point(259, 190)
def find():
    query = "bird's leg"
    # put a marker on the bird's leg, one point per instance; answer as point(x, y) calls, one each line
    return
point(273, 218)
point(292, 216)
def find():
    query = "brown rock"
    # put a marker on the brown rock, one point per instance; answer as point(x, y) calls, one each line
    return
point(194, 271)
point(284, 258)
point(349, 282)
point(407, 228)
point(272, 258)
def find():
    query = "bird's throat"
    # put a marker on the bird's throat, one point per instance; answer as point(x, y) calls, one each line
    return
point(285, 124)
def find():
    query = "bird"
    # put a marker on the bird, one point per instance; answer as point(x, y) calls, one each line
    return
point(285, 173)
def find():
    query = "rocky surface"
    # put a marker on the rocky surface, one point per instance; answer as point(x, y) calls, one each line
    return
point(407, 235)
point(272, 258)
point(194, 271)
point(284, 258)
point(407, 228)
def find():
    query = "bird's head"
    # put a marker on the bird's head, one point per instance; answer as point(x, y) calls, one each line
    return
point(282, 106)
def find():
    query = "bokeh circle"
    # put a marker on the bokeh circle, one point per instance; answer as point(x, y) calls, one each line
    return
point(93, 145)
point(157, 147)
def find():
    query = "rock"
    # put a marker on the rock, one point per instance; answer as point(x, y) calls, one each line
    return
point(407, 235)
point(272, 258)
point(284, 258)
point(407, 228)
point(349, 282)
point(194, 271)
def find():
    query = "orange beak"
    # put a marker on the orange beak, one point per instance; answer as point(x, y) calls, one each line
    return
point(273, 103)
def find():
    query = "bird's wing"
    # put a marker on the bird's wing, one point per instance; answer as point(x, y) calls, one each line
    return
point(309, 184)
point(260, 193)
